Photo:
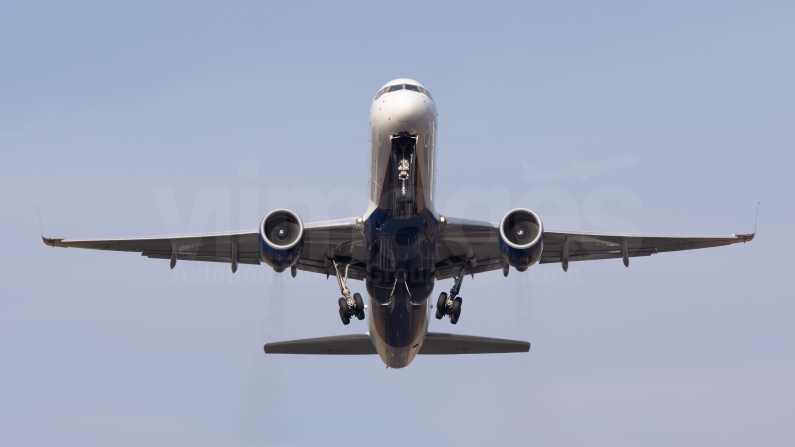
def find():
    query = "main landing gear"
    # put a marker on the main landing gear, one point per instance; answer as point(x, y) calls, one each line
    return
point(451, 304)
point(349, 306)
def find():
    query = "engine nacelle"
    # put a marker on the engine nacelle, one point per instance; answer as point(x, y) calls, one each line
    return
point(521, 238)
point(281, 238)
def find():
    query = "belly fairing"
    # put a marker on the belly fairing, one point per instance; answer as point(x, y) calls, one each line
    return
point(400, 278)
point(398, 328)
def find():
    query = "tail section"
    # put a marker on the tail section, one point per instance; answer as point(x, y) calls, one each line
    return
point(354, 344)
point(435, 343)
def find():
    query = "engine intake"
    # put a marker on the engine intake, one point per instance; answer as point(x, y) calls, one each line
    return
point(521, 238)
point(281, 238)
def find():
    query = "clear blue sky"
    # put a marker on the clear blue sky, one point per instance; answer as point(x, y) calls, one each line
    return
point(150, 118)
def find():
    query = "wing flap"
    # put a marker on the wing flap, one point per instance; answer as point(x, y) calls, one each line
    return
point(556, 256)
point(449, 270)
point(242, 258)
point(436, 343)
point(343, 238)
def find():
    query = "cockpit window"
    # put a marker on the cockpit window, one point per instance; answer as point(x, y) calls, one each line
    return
point(381, 92)
point(396, 87)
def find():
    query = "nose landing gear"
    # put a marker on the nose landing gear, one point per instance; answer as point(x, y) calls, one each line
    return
point(349, 306)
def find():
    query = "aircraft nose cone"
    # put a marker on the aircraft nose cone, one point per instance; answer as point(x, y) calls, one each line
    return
point(406, 106)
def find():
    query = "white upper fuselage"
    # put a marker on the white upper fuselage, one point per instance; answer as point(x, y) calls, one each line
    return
point(402, 110)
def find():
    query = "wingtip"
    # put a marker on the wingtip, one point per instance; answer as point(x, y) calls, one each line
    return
point(747, 237)
point(52, 242)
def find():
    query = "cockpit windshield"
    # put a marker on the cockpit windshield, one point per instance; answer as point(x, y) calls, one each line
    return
point(381, 92)
point(426, 92)
point(396, 87)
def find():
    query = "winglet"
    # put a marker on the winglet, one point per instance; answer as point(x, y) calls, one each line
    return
point(749, 237)
point(746, 237)
point(41, 228)
point(51, 241)
point(47, 240)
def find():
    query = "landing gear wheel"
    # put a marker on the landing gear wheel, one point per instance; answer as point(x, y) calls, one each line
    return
point(359, 306)
point(441, 303)
point(455, 312)
point(344, 313)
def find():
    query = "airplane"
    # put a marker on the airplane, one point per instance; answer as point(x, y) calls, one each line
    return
point(401, 245)
point(583, 171)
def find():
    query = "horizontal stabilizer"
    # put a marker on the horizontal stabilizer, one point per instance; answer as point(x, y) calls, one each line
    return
point(354, 344)
point(436, 343)
point(360, 344)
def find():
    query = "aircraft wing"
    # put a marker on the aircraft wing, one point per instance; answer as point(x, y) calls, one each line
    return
point(344, 239)
point(342, 236)
point(194, 247)
point(591, 246)
point(483, 237)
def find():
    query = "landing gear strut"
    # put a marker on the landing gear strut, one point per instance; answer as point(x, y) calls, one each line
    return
point(349, 306)
point(451, 304)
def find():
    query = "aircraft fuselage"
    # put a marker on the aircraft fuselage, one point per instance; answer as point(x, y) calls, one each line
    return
point(401, 222)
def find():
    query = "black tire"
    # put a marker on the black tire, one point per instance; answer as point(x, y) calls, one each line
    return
point(346, 320)
point(359, 306)
point(455, 312)
point(441, 306)
point(344, 313)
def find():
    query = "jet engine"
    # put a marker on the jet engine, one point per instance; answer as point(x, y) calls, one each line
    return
point(521, 238)
point(281, 238)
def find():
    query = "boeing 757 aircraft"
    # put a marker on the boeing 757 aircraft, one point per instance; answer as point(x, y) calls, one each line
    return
point(401, 245)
